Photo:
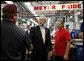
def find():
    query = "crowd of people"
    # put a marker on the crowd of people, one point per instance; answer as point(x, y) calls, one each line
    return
point(36, 41)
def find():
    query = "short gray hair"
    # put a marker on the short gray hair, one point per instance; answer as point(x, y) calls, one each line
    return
point(42, 16)
point(61, 21)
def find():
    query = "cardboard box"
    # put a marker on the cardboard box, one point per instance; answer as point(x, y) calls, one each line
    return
point(81, 35)
point(77, 40)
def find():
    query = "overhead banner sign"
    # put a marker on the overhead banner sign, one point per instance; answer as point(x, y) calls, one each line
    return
point(58, 7)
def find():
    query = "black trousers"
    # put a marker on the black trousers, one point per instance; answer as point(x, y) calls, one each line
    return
point(23, 54)
point(58, 58)
point(39, 57)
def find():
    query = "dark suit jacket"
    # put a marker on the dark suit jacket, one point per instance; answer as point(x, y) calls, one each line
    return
point(28, 34)
point(13, 41)
point(39, 47)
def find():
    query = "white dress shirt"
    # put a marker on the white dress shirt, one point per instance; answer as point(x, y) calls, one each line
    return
point(43, 33)
point(28, 31)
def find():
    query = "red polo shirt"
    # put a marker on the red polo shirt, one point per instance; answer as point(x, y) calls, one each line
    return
point(61, 36)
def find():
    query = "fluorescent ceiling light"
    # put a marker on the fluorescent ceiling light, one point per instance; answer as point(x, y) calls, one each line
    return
point(33, 21)
point(32, 24)
point(23, 20)
point(28, 3)
point(31, 8)
point(70, 11)
point(78, 13)
point(37, 18)
point(48, 22)
point(71, 16)
point(9, 2)
point(2, 5)
point(80, 1)
point(81, 21)
point(28, 22)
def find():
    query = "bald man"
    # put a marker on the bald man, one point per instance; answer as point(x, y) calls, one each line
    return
point(40, 37)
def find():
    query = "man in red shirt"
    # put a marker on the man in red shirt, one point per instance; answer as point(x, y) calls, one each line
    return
point(62, 42)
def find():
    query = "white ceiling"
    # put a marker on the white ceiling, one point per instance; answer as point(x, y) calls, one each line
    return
point(28, 12)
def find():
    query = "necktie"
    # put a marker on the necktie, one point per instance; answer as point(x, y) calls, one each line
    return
point(28, 31)
point(43, 34)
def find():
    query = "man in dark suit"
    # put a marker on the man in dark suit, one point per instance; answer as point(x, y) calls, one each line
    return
point(13, 39)
point(28, 31)
point(40, 37)
point(28, 52)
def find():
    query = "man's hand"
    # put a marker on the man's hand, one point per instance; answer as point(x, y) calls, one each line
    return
point(50, 53)
point(29, 52)
point(31, 47)
point(67, 51)
point(65, 57)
